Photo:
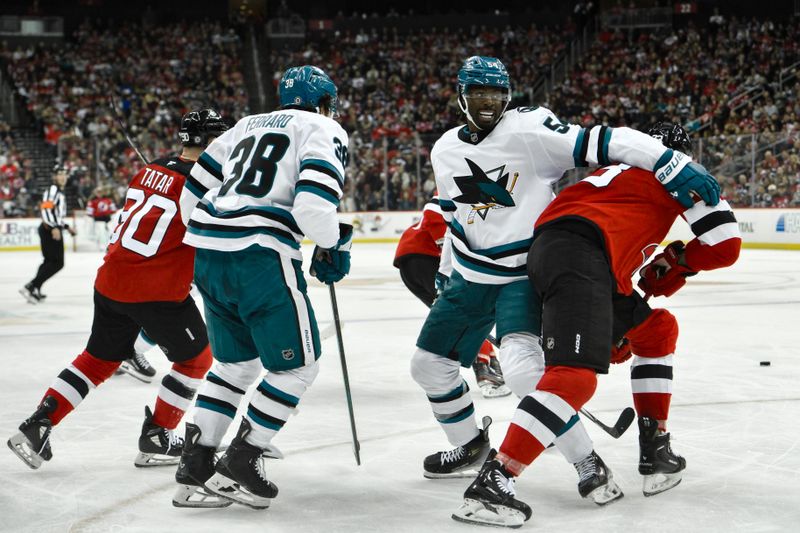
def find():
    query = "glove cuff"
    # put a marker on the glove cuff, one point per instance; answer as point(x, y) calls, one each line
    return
point(345, 241)
point(670, 165)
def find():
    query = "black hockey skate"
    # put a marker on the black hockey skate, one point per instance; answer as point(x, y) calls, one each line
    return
point(239, 474)
point(32, 443)
point(660, 467)
point(490, 379)
point(463, 461)
point(490, 499)
point(158, 446)
point(139, 367)
point(596, 480)
point(196, 467)
point(32, 294)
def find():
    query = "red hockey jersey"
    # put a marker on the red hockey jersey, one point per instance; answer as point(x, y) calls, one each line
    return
point(100, 207)
point(426, 236)
point(146, 259)
point(634, 212)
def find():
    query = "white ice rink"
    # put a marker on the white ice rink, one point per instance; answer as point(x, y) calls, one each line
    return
point(737, 423)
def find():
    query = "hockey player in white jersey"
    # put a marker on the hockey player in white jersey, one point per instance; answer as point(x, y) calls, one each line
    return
point(265, 184)
point(495, 176)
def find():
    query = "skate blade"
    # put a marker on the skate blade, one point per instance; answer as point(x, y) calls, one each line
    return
point(469, 472)
point(229, 489)
point(483, 514)
point(21, 447)
point(28, 296)
point(606, 494)
point(146, 460)
point(490, 390)
point(198, 497)
point(124, 368)
point(657, 483)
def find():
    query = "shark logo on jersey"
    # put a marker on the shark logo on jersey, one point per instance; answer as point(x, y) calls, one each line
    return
point(483, 193)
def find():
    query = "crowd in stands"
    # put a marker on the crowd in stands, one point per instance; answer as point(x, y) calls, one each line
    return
point(15, 171)
point(732, 84)
point(155, 74)
point(722, 84)
point(401, 88)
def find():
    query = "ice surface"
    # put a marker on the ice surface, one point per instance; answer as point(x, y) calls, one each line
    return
point(735, 421)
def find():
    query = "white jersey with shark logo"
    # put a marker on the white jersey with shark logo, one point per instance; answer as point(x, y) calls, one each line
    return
point(268, 181)
point(492, 187)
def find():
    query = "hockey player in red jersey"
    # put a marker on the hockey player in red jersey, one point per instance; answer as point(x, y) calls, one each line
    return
point(587, 244)
point(419, 259)
point(101, 206)
point(143, 283)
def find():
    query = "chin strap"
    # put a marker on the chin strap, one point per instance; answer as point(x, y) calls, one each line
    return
point(465, 109)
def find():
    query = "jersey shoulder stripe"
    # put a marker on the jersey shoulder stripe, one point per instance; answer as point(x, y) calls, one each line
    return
point(319, 189)
point(196, 188)
point(210, 165)
point(320, 165)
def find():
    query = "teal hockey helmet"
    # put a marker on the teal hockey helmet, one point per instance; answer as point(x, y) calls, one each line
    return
point(483, 71)
point(307, 87)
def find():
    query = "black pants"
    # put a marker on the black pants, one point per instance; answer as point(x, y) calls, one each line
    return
point(582, 313)
point(177, 327)
point(418, 273)
point(53, 252)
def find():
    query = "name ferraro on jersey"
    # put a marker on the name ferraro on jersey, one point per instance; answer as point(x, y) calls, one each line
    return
point(268, 181)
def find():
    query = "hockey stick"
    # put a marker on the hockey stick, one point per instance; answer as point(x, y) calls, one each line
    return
point(338, 324)
point(621, 426)
point(623, 422)
point(124, 126)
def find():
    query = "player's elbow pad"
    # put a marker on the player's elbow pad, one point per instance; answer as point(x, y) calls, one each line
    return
point(721, 255)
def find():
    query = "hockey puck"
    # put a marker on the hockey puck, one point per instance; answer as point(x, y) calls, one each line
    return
point(764, 363)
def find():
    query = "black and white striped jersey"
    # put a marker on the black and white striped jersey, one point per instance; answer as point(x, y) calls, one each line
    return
point(54, 207)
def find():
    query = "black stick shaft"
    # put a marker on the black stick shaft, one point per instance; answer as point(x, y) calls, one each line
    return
point(337, 323)
point(613, 431)
point(123, 124)
point(594, 419)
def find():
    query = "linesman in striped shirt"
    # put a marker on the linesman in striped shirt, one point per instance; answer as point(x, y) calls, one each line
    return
point(54, 212)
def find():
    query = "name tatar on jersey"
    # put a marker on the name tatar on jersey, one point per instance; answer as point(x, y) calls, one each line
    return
point(156, 180)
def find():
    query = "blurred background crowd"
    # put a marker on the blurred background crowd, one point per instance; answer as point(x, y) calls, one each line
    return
point(730, 79)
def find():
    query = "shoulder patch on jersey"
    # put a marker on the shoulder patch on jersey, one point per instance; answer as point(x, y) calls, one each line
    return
point(174, 164)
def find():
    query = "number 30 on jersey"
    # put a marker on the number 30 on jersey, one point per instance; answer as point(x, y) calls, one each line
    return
point(136, 209)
